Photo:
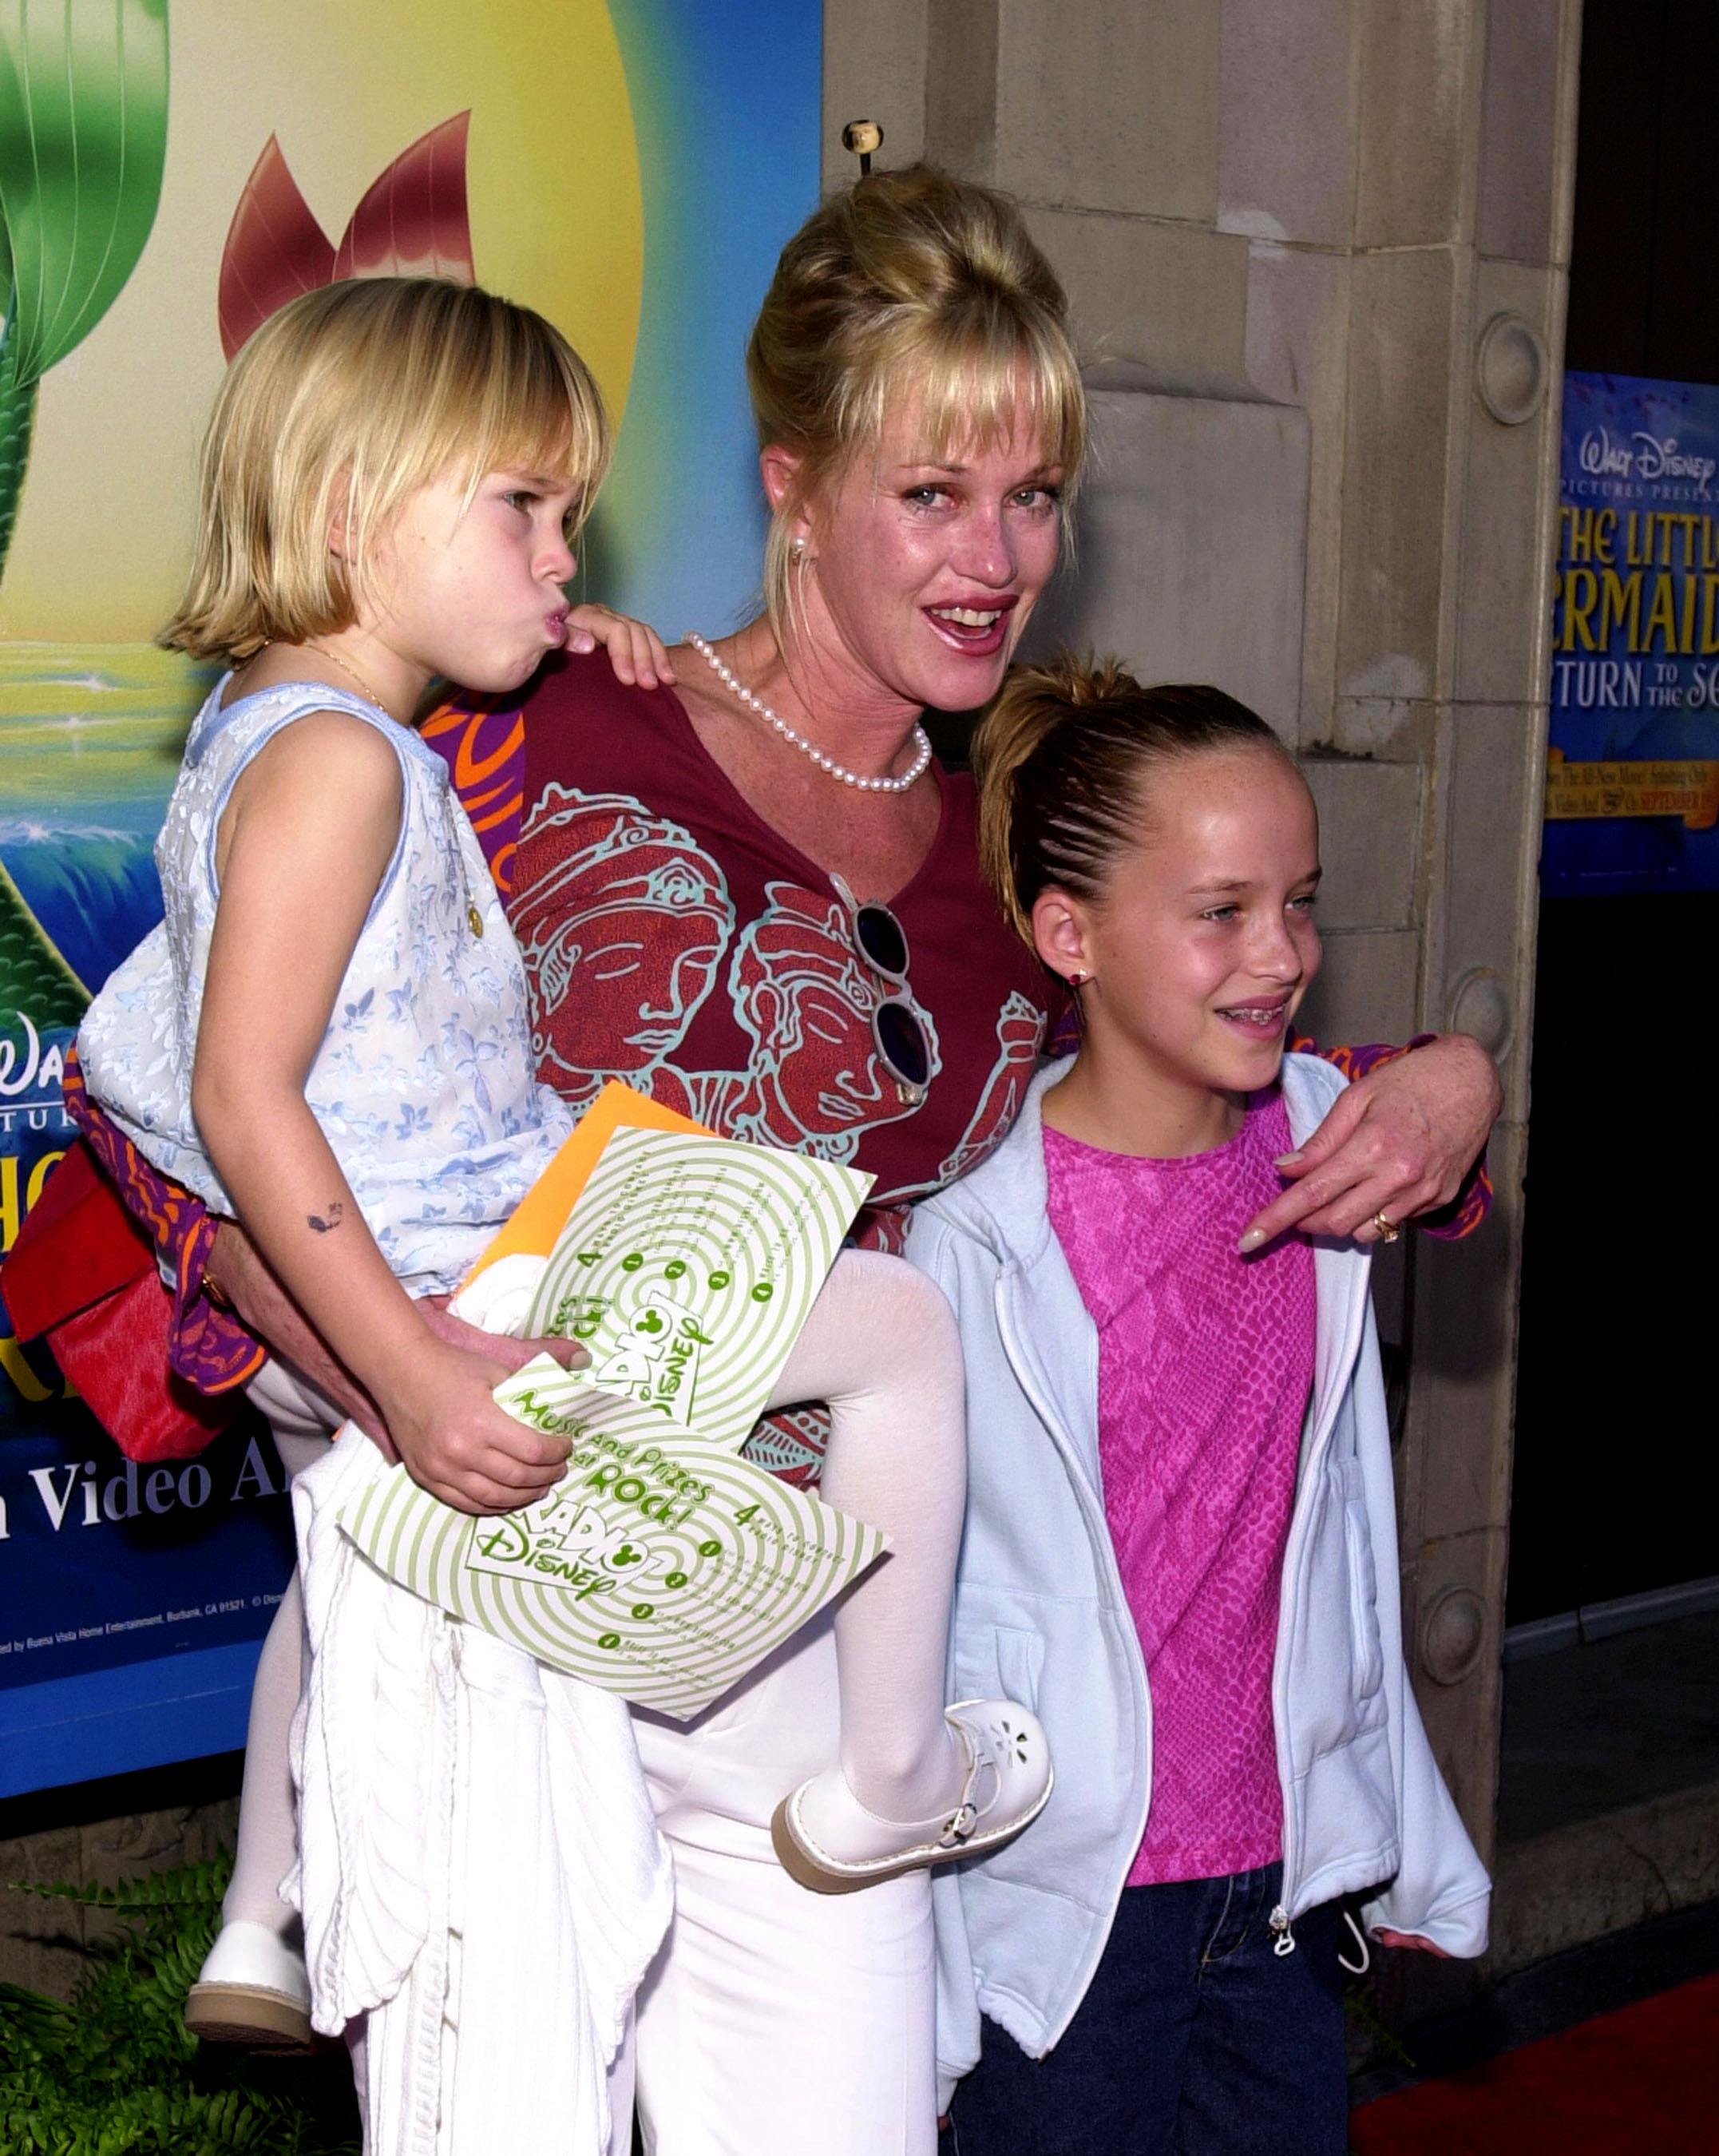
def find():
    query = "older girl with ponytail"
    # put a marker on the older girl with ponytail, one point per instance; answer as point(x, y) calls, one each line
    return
point(1181, 1533)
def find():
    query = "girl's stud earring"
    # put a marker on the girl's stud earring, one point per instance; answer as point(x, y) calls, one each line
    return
point(1077, 979)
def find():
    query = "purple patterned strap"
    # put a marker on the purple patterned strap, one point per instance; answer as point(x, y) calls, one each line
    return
point(207, 1347)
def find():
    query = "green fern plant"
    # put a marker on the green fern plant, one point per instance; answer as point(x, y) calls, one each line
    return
point(113, 2072)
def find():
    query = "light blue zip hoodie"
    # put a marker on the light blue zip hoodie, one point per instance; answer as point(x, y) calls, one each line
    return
point(1041, 1616)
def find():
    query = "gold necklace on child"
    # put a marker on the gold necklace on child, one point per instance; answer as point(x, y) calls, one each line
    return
point(322, 651)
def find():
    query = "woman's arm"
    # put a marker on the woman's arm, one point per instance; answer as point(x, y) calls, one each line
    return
point(207, 1343)
point(225, 1310)
point(1401, 1139)
point(303, 843)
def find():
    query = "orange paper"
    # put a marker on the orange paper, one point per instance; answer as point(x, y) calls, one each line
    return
point(542, 1212)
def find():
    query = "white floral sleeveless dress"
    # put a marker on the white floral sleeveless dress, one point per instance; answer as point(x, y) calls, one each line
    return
point(424, 1083)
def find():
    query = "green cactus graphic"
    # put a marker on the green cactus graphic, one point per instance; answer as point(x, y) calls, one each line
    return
point(83, 138)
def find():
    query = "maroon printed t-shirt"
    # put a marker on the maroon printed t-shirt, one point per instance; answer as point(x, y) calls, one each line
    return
point(674, 941)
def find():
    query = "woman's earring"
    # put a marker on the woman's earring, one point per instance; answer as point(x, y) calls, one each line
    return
point(1077, 979)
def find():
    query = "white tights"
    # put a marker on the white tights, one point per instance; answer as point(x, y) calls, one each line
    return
point(302, 1423)
point(880, 1346)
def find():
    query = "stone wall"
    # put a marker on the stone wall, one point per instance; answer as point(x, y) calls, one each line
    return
point(63, 1835)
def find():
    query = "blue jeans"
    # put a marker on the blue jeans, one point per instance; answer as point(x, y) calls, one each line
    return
point(1194, 2040)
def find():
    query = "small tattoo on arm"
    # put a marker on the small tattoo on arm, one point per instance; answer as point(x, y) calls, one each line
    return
point(336, 1213)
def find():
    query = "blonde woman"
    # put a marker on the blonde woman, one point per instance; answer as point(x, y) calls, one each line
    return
point(756, 893)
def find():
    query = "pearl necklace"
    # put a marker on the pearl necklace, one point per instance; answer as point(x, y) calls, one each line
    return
point(736, 689)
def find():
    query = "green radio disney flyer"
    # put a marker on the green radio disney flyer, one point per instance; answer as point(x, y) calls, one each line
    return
point(663, 1565)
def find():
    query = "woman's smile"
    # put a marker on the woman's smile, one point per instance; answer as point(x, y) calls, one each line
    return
point(978, 627)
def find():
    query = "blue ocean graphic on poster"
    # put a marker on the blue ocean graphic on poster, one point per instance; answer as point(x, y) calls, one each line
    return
point(1632, 795)
point(131, 1597)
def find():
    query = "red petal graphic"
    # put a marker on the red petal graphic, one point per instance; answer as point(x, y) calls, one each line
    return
point(413, 222)
point(275, 249)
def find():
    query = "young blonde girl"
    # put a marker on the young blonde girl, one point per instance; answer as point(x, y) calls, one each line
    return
point(1180, 1525)
point(328, 1038)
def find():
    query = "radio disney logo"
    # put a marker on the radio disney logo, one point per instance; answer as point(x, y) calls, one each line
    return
point(1601, 457)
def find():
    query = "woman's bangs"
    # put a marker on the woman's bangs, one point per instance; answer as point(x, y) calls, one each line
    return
point(1008, 389)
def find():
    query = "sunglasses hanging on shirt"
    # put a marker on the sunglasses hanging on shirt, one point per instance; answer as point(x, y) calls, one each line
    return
point(898, 1031)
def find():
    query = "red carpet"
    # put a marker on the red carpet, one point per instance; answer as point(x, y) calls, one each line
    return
point(1643, 2082)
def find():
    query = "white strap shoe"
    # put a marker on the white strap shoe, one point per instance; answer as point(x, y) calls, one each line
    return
point(252, 1990)
point(825, 1837)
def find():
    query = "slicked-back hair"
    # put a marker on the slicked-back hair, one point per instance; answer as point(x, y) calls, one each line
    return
point(1063, 760)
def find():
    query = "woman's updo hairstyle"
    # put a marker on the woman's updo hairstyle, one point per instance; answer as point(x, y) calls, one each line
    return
point(1061, 761)
point(909, 287)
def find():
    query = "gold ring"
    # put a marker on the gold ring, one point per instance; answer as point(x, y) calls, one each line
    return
point(1388, 1230)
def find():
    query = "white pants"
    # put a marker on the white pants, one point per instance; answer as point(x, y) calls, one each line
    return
point(775, 2021)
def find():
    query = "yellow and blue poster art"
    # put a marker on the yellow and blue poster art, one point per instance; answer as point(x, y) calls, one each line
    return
point(1632, 784)
point(171, 171)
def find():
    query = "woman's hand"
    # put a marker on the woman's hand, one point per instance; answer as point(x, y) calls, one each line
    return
point(1413, 1940)
point(499, 1346)
point(1398, 1141)
point(634, 648)
point(238, 1271)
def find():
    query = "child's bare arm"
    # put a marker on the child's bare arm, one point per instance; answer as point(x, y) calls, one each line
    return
point(303, 845)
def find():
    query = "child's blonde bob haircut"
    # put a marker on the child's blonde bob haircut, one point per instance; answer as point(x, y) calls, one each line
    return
point(909, 291)
point(342, 405)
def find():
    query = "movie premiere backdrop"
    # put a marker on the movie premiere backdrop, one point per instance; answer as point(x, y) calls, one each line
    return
point(170, 171)
point(1632, 786)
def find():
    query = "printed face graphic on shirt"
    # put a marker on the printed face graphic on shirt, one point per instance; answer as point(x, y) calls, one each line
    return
point(802, 993)
point(623, 919)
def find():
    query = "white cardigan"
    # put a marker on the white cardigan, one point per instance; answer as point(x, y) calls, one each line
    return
point(479, 1869)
